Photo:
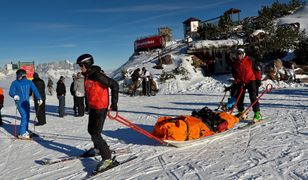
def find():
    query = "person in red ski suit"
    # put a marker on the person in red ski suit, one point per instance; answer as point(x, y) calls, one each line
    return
point(96, 90)
point(247, 75)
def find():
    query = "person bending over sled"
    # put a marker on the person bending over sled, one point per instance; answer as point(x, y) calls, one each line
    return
point(96, 90)
point(247, 75)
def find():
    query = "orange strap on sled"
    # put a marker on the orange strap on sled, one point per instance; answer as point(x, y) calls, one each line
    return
point(133, 126)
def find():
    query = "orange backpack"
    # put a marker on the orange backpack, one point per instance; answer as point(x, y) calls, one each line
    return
point(231, 119)
point(180, 128)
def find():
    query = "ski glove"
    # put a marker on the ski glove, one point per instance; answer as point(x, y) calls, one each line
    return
point(16, 98)
point(39, 102)
point(114, 107)
point(227, 88)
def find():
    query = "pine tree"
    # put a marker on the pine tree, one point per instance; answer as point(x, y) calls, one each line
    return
point(209, 31)
point(302, 52)
point(279, 39)
point(225, 23)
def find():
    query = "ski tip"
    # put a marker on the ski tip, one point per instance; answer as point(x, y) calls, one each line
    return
point(46, 161)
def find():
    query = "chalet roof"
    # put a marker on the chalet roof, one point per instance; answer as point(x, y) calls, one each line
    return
point(233, 11)
point(190, 19)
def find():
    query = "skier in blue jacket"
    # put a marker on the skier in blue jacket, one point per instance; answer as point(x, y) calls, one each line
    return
point(20, 90)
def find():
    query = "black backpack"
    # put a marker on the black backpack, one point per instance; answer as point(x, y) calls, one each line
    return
point(210, 118)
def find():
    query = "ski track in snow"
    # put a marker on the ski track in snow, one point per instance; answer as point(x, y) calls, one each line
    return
point(275, 149)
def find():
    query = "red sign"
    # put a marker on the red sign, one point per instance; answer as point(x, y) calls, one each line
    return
point(29, 68)
point(149, 43)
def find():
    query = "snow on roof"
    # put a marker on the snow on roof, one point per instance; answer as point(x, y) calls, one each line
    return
point(300, 16)
point(216, 43)
point(258, 31)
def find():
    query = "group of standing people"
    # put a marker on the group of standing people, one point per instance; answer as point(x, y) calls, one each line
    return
point(91, 83)
point(145, 76)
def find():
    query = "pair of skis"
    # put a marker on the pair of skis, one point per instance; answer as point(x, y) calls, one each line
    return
point(252, 123)
point(48, 161)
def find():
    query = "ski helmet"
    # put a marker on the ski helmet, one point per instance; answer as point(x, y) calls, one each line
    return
point(85, 59)
point(20, 73)
point(241, 51)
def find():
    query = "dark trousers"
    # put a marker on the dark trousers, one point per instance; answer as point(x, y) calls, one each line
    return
point(61, 106)
point(86, 103)
point(40, 112)
point(146, 88)
point(95, 127)
point(75, 105)
point(0, 115)
point(135, 87)
point(80, 105)
point(253, 93)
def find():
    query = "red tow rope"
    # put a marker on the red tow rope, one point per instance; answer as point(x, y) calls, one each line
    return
point(133, 126)
point(268, 89)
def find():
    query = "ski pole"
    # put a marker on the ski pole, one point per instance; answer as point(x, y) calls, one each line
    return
point(222, 100)
point(133, 126)
point(15, 128)
point(268, 89)
point(238, 98)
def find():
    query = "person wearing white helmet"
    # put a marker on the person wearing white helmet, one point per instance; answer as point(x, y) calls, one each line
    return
point(247, 75)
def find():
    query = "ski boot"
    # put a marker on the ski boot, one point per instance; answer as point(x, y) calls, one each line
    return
point(230, 103)
point(25, 136)
point(106, 164)
point(257, 117)
point(241, 116)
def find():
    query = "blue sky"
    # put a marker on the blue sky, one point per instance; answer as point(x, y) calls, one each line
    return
point(46, 31)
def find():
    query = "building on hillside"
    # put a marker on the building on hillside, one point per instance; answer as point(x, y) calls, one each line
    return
point(215, 54)
point(191, 27)
point(233, 11)
point(149, 43)
point(166, 33)
point(11, 66)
